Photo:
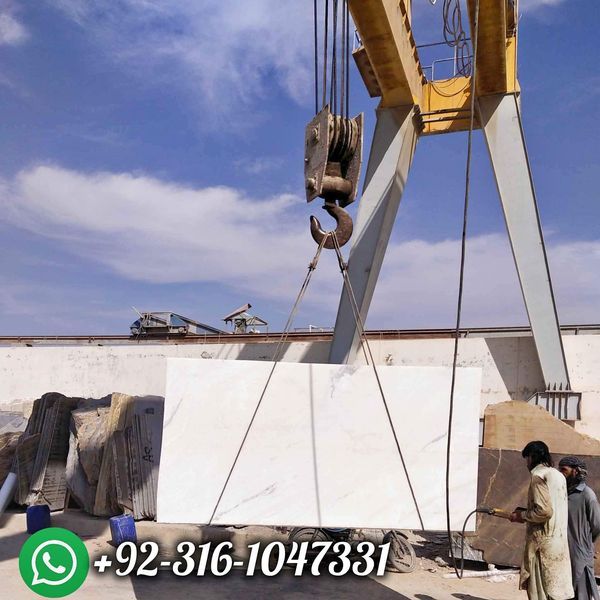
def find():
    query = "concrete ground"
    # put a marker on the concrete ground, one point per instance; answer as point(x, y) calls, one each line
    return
point(425, 583)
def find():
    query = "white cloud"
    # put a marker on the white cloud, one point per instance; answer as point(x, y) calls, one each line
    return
point(12, 32)
point(258, 166)
point(156, 231)
point(228, 55)
point(419, 283)
point(525, 5)
point(150, 230)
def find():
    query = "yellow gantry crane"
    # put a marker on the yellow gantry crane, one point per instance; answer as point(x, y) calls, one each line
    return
point(412, 106)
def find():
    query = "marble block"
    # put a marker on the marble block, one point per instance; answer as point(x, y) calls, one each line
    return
point(321, 450)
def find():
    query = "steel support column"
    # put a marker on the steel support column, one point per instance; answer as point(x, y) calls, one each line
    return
point(391, 155)
point(501, 123)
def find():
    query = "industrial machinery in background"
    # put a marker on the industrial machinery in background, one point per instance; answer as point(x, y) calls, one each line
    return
point(243, 322)
point(166, 323)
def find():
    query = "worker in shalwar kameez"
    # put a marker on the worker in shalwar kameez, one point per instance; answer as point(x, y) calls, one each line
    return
point(584, 527)
point(546, 568)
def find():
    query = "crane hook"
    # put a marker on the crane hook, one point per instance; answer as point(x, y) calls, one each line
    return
point(343, 229)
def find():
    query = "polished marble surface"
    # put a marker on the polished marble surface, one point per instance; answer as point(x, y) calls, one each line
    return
point(321, 450)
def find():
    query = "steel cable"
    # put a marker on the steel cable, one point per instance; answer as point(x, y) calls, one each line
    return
point(347, 58)
point(343, 66)
point(335, 78)
point(325, 53)
point(276, 356)
point(333, 91)
point(367, 350)
point(316, 43)
point(463, 248)
point(455, 36)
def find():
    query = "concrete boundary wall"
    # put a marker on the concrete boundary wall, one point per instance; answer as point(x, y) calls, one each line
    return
point(509, 364)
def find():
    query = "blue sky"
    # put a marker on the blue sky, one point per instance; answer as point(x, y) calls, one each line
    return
point(152, 156)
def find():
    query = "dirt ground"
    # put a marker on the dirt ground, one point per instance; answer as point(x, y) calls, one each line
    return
point(427, 582)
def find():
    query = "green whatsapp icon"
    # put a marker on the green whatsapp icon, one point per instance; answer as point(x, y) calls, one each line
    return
point(54, 562)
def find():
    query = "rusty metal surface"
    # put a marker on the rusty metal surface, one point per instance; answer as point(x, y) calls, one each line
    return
point(335, 187)
point(366, 71)
point(333, 157)
point(343, 230)
point(316, 148)
point(353, 167)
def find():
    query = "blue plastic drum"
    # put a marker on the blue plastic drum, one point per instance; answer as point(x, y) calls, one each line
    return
point(122, 529)
point(38, 517)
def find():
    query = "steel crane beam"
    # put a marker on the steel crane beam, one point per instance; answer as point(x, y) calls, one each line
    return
point(391, 155)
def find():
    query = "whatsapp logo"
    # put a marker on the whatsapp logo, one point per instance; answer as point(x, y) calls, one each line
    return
point(54, 562)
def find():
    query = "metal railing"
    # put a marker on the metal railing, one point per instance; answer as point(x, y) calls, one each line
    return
point(562, 404)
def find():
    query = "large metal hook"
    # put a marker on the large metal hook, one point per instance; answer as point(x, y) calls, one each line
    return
point(343, 230)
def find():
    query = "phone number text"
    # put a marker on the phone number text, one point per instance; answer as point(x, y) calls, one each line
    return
point(310, 558)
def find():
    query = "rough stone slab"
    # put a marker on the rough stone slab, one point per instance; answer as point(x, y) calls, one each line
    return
point(511, 425)
point(127, 478)
point(503, 483)
point(11, 422)
point(48, 479)
point(8, 446)
point(86, 449)
point(25, 455)
point(106, 501)
point(145, 447)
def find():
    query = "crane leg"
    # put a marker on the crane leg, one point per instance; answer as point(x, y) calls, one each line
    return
point(503, 133)
point(390, 159)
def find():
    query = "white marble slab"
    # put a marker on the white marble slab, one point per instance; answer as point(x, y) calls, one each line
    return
point(321, 450)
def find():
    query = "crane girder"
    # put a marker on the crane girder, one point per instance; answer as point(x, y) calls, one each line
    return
point(386, 34)
point(388, 61)
point(496, 46)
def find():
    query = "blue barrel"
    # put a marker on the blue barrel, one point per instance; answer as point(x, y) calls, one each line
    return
point(122, 529)
point(38, 517)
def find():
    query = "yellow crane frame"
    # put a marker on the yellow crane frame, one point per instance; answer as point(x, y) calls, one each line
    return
point(388, 61)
